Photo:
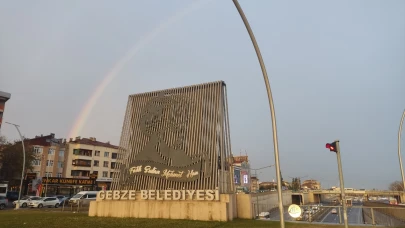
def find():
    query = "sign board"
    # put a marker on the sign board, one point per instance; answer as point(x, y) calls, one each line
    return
point(203, 195)
point(30, 176)
point(236, 176)
point(294, 210)
point(104, 179)
point(240, 159)
point(67, 181)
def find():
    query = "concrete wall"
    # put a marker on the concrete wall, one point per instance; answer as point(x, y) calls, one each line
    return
point(222, 210)
point(229, 207)
point(249, 204)
point(305, 197)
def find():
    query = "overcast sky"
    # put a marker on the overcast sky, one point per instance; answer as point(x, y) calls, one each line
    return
point(336, 68)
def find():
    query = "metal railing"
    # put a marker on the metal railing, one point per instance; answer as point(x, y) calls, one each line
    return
point(79, 207)
point(387, 216)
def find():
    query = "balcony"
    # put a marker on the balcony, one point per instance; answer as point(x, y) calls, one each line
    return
point(80, 173)
point(81, 162)
point(83, 152)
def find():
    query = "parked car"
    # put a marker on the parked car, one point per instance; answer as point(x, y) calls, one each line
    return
point(334, 211)
point(3, 202)
point(45, 202)
point(264, 214)
point(11, 196)
point(83, 198)
point(25, 200)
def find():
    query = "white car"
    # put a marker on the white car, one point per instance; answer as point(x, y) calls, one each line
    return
point(45, 202)
point(25, 200)
point(334, 211)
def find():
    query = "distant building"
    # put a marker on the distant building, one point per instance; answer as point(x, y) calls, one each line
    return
point(266, 185)
point(254, 183)
point(242, 175)
point(273, 185)
point(4, 97)
point(311, 184)
point(87, 156)
point(60, 164)
point(50, 153)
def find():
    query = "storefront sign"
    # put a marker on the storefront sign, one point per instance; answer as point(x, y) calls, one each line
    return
point(104, 179)
point(30, 176)
point(207, 195)
point(67, 181)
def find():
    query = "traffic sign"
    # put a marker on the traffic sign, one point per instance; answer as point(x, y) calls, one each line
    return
point(294, 210)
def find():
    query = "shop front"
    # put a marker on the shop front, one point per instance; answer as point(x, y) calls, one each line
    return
point(65, 186)
point(103, 183)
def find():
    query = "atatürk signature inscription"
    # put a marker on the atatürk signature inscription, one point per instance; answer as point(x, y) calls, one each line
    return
point(166, 173)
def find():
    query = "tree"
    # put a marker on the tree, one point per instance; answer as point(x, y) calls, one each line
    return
point(295, 184)
point(11, 159)
point(396, 186)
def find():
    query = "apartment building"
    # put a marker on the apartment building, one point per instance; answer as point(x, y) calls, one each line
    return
point(3, 98)
point(50, 154)
point(87, 156)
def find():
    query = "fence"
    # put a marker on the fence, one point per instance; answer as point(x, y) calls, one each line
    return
point(79, 207)
point(333, 214)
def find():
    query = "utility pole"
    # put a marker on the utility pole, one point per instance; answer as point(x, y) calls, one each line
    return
point(336, 148)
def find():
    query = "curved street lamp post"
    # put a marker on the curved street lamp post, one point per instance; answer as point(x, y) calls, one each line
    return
point(399, 149)
point(272, 112)
point(17, 206)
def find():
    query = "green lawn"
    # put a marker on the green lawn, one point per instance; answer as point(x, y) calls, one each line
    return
point(48, 219)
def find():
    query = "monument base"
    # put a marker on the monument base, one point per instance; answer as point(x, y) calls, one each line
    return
point(222, 210)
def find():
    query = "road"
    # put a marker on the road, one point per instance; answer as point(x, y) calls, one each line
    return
point(354, 216)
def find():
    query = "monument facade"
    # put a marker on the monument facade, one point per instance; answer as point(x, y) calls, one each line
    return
point(174, 153)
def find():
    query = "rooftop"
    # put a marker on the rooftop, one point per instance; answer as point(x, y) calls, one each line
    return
point(44, 140)
point(91, 141)
point(4, 95)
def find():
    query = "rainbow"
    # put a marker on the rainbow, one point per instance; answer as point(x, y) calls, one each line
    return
point(119, 65)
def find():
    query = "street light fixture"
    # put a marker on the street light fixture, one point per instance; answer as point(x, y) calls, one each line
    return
point(272, 111)
point(399, 149)
point(17, 206)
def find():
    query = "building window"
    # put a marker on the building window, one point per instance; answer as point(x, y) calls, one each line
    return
point(105, 164)
point(51, 151)
point(48, 174)
point(61, 153)
point(114, 155)
point(79, 173)
point(105, 174)
point(49, 163)
point(112, 165)
point(60, 164)
point(95, 172)
point(106, 154)
point(81, 162)
point(82, 152)
point(36, 162)
point(111, 174)
point(59, 175)
point(97, 153)
point(37, 150)
point(96, 163)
